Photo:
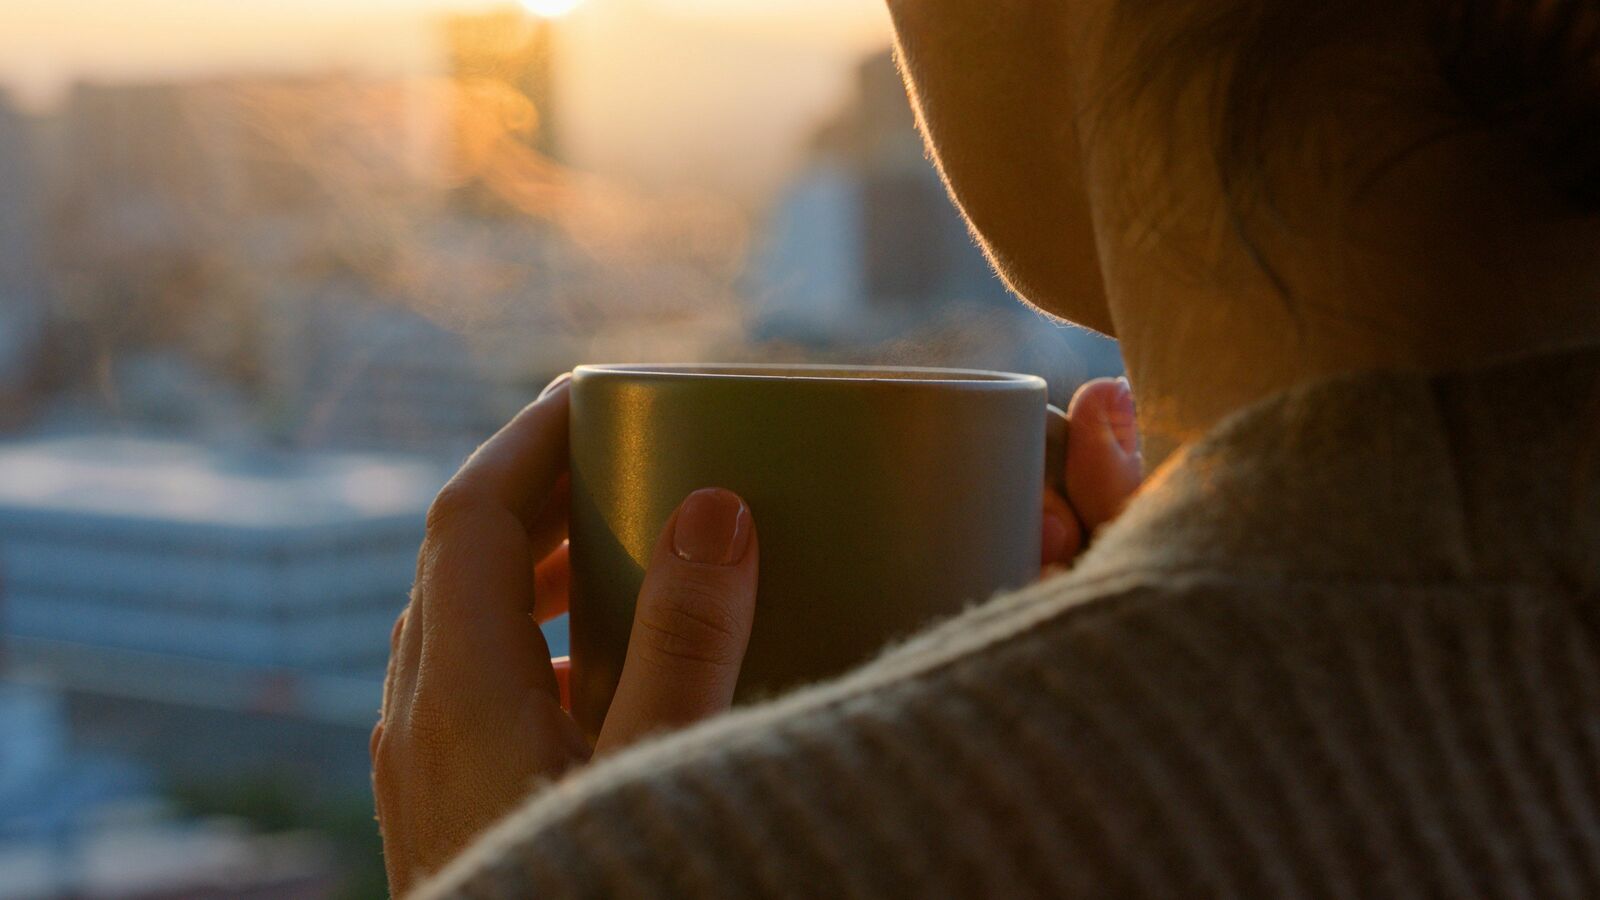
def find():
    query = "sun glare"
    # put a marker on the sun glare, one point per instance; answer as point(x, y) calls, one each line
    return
point(551, 9)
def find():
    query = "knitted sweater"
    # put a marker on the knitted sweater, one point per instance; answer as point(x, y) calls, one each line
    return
point(1344, 646)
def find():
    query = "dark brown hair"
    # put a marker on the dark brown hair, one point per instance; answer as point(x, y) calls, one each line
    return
point(1525, 72)
point(1531, 69)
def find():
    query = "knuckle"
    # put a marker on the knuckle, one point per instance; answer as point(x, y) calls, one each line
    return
point(456, 501)
point(385, 768)
point(691, 622)
point(397, 631)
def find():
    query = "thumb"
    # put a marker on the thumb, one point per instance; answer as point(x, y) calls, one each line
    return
point(692, 622)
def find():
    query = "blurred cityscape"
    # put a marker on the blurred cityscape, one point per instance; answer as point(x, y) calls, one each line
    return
point(248, 326)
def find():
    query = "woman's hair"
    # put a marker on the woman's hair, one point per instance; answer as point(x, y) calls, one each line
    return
point(1531, 69)
point(1523, 73)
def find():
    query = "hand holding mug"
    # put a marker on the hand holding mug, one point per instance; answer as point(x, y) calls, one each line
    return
point(472, 719)
point(1101, 469)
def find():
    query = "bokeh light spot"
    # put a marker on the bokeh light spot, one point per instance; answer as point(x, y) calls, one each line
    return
point(551, 9)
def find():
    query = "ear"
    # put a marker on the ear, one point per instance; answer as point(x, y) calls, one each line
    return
point(992, 86)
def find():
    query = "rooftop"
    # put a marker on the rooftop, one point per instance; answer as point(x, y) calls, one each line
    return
point(170, 481)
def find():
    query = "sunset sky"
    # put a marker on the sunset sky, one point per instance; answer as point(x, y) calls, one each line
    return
point(692, 91)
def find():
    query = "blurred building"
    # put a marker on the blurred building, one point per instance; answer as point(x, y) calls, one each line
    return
point(46, 788)
point(865, 237)
point(249, 559)
point(345, 367)
point(23, 289)
point(160, 860)
point(204, 607)
point(81, 825)
point(173, 203)
point(183, 153)
point(866, 255)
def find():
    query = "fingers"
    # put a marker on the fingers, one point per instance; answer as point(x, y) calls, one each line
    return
point(469, 620)
point(552, 583)
point(470, 711)
point(692, 622)
point(548, 529)
point(1062, 539)
point(517, 469)
point(389, 679)
point(563, 669)
point(1104, 466)
point(396, 634)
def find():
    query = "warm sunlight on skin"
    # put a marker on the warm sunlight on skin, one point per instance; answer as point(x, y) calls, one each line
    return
point(551, 9)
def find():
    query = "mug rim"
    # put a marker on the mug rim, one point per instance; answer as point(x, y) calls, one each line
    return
point(815, 373)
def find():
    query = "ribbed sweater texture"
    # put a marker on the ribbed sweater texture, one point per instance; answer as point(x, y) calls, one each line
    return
point(1345, 646)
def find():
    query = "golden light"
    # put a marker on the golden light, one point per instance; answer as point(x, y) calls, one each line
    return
point(551, 9)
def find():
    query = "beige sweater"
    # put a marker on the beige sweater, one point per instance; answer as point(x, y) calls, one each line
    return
point(1346, 646)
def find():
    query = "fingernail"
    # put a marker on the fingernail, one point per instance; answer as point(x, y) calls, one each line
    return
point(713, 528)
point(1125, 396)
point(550, 388)
point(1055, 538)
point(1122, 422)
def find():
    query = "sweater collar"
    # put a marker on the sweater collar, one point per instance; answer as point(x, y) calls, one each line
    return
point(1488, 475)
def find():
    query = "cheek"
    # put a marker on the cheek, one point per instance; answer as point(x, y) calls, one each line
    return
point(994, 97)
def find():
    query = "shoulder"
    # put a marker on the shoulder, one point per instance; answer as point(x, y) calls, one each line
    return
point(963, 758)
point(1089, 737)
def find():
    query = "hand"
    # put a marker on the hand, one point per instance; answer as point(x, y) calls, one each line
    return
point(471, 716)
point(1103, 469)
point(472, 719)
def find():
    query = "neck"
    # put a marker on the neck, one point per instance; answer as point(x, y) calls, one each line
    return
point(1378, 246)
point(1432, 295)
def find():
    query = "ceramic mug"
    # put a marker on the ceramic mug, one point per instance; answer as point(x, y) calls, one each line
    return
point(885, 498)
